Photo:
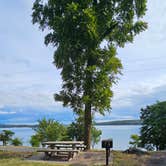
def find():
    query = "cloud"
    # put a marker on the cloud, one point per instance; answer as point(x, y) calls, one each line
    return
point(127, 96)
point(112, 116)
point(6, 112)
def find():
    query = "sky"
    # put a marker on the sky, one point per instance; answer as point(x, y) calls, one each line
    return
point(28, 78)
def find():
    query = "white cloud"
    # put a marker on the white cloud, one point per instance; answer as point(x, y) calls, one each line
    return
point(112, 116)
point(126, 96)
point(7, 112)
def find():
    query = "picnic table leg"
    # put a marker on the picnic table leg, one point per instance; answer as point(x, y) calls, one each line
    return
point(70, 155)
point(47, 155)
point(73, 146)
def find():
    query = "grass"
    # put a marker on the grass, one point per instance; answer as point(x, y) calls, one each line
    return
point(19, 162)
point(123, 159)
point(17, 159)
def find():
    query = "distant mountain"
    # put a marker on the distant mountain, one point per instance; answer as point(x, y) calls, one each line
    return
point(17, 126)
point(120, 122)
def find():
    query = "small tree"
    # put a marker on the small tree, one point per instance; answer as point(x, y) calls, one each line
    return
point(49, 130)
point(153, 130)
point(16, 142)
point(95, 136)
point(6, 136)
point(35, 141)
point(76, 131)
point(136, 142)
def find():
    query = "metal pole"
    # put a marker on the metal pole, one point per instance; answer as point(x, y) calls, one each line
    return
point(107, 156)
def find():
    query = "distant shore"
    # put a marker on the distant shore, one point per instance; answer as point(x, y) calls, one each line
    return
point(17, 126)
point(119, 122)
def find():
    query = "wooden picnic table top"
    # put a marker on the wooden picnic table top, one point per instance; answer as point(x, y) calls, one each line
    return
point(63, 143)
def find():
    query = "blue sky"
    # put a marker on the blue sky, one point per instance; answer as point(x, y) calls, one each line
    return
point(28, 79)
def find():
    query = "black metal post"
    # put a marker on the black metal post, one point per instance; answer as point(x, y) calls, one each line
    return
point(107, 144)
point(107, 156)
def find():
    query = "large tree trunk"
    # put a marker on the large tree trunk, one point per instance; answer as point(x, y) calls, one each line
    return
point(87, 114)
point(87, 126)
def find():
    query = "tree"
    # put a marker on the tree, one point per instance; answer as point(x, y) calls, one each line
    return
point(16, 142)
point(75, 131)
point(6, 136)
point(49, 130)
point(153, 130)
point(35, 141)
point(77, 29)
point(136, 142)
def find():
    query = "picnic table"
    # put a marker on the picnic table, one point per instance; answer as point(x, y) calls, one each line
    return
point(64, 144)
point(66, 149)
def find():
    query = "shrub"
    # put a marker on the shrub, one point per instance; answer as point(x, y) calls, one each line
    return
point(16, 142)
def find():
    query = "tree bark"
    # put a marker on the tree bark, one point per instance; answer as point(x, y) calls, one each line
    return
point(87, 114)
point(87, 127)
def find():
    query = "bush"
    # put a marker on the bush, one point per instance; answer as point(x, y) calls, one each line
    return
point(48, 130)
point(75, 131)
point(136, 141)
point(16, 142)
point(35, 142)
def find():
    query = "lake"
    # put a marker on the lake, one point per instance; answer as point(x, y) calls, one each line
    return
point(120, 134)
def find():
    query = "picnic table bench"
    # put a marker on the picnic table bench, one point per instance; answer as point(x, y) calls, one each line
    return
point(67, 153)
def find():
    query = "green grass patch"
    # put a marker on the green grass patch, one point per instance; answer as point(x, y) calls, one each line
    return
point(123, 159)
point(19, 162)
point(8, 155)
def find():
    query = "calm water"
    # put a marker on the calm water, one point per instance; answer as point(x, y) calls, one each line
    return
point(119, 134)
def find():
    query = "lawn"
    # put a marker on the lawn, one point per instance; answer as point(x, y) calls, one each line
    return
point(19, 159)
point(122, 159)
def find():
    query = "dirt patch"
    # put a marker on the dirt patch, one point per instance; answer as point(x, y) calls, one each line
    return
point(90, 158)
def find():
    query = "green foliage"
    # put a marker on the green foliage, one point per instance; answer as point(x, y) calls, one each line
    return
point(77, 29)
point(136, 141)
point(16, 142)
point(6, 136)
point(75, 131)
point(48, 130)
point(34, 141)
point(95, 136)
point(153, 130)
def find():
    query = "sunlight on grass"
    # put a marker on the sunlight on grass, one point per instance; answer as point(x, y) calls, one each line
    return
point(18, 162)
point(122, 159)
